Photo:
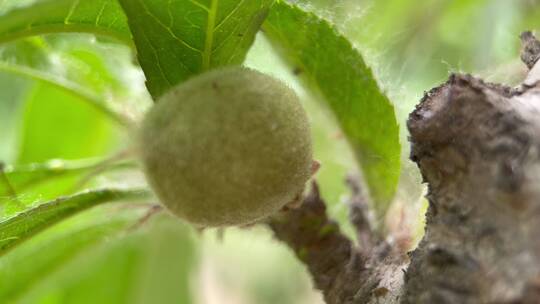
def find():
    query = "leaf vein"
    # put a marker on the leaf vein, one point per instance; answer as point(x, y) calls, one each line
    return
point(101, 11)
point(168, 29)
point(156, 57)
point(209, 34)
point(71, 11)
point(229, 36)
point(229, 15)
point(169, 11)
point(196, 3)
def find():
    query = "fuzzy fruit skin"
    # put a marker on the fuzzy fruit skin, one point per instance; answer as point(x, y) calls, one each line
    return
point(228, 147)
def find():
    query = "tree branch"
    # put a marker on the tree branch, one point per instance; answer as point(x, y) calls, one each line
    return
point(478, 148)
point(318, 242)
point(340, 270)
point(530, 52)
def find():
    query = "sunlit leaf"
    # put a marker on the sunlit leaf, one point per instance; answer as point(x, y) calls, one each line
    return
point(27, 18)
point(336, 71)
point(68, 87)
point(153, 265)
point(60, 125)
point(53, 248)
point(178, 39)
point(59, 117)
point(21, 177)
point(22, 226)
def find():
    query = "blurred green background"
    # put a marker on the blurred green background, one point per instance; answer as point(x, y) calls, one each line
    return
point(104, 256)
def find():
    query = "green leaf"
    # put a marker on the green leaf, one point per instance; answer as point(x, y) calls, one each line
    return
point(165, 276)
point(102, 17)
point(78, 93)
point(68, 87)
point(336, 71)
point(153, 265)
point(57, 124)
point(12, 92)
point(64, 98)
point(22, 226)
point(21, 177)
point(178, 39)
point(52, 249)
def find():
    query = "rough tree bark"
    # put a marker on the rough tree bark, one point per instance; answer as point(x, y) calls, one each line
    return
point(478, 149)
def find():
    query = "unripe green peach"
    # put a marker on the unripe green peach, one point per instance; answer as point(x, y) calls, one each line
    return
point(228, 147)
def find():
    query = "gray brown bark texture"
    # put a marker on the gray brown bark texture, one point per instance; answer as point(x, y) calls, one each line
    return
point(477, 146)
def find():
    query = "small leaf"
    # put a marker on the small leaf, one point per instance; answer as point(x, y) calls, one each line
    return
point(102, 17)
point(178, 39)
point(22, 226)
point(335, 70)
